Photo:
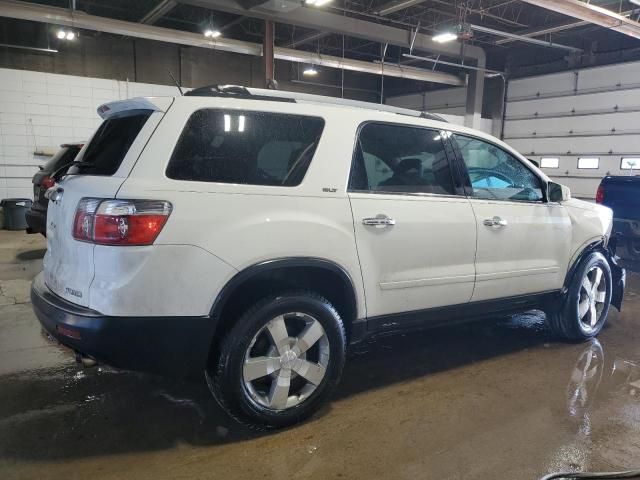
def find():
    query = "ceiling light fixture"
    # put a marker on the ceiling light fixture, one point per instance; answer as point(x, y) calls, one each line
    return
point(66, 34)
point(444, 37)
point(317, 3)
point(310, 71)
point(210, 33)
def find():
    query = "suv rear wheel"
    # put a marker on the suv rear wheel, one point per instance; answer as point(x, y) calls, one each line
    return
point(280, 361)
point(584, 310)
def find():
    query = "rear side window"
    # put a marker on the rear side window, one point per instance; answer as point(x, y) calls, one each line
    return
point(253, 148)
point(400, 159)
point(111, 142)
point(62, 157)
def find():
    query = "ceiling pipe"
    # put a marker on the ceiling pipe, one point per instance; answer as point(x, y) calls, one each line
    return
point(591, 13)
point(159, 11)
point(395, 6)
point(513, 36)
point(62, 16)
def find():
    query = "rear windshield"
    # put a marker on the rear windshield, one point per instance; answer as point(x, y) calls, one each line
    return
point(62, 157)
point(255, 148)
point(111, 143)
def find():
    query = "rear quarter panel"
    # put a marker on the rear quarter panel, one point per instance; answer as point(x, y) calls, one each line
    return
point(242, 225)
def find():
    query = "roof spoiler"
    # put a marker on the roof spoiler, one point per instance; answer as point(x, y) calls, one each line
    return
point(155, 104)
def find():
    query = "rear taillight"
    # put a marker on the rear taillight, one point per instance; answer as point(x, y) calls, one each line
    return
point(600, 194)
point(47, 182)
point(120, 222)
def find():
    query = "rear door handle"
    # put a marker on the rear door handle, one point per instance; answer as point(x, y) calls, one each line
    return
point(495, 222)
point(379, 221)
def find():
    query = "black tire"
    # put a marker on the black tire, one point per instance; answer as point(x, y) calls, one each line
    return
point(565, 319)
point(633, 248)
point(225, 375)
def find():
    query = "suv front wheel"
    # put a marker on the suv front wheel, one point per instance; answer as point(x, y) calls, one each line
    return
point(280, 361)
point(584, 310)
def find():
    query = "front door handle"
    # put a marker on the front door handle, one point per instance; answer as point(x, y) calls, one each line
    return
point(379, 221)
point(495, 222)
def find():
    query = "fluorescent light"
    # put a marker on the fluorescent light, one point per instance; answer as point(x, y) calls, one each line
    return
point(61, 34)
point(310, 71)
point(444, 37)
point(212, 33)
point(241, 123)
point(71, 35)
point(319, 3)
point(227, 123)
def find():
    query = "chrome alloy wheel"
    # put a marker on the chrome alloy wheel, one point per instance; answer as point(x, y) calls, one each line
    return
point(286, 361)
point(591, 298)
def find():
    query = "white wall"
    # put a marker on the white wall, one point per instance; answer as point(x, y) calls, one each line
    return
point(39, 111)
point(448, 102)
point(589, 112)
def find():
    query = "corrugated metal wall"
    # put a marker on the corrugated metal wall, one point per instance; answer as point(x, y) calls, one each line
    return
point(586, 113)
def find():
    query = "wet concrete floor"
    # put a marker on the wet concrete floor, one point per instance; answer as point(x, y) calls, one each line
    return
point(493, 400)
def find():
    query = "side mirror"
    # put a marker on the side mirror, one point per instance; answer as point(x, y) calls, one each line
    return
point(557, 192)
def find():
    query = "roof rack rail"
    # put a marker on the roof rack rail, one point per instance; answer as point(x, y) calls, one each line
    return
point(231, 91)
point(238, 91)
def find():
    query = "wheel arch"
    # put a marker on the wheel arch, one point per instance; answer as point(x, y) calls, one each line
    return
point(258, 280)
point(618, 275)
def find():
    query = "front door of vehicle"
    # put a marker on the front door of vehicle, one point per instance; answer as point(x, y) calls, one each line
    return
point(415, 231)
point(523, 241)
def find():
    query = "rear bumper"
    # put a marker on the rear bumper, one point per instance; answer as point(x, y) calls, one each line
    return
point(36, 221)
point(175, 346)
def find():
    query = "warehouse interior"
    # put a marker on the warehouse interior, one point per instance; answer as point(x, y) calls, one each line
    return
point(557, 81)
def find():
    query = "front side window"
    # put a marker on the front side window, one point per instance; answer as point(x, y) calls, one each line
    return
point(400, 159)
point(253, 148)
point(496, 174)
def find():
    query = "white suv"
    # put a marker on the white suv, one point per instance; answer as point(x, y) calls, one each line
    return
point(252, 235)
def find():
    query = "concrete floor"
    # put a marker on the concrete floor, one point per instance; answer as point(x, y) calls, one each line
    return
point(494, 400)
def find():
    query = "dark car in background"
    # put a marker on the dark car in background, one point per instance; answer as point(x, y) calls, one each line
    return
point(36, 216)
point(622, 195)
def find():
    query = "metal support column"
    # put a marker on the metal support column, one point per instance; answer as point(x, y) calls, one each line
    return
point(475, 91)
point(267, 53)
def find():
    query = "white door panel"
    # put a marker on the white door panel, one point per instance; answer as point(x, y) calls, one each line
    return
point(425, 260)
point(527, 255)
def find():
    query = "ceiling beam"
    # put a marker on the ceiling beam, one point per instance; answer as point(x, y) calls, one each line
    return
point(592, 14)
point(319, 19)
point(556, 29)
point(159, 11)
point(520, 38)
point(62, 16)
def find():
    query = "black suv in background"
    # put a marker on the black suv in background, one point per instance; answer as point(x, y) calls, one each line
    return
point(36, 216)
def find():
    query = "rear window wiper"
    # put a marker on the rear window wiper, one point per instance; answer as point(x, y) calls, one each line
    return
point(55, 175)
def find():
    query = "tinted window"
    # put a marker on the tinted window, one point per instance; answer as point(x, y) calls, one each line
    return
point(496, 174)
point(256, 148)
point(400, 159)
point(62, 157)
point(110, 143)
